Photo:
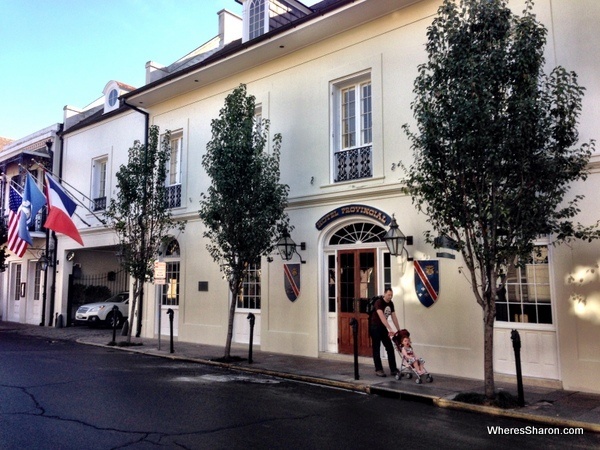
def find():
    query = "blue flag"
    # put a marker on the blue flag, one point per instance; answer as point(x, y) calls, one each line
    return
point(33, 201)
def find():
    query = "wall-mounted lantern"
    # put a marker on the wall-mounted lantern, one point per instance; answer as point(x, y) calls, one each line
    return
point(396, 240)
point(287, 247)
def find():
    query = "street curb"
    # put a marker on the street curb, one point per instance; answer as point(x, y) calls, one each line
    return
point(489, 410)
point(440, 402)
point(363, 388)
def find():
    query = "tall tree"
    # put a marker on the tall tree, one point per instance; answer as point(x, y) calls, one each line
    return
point(497, 145)
point(244, 207)
point(139, 214)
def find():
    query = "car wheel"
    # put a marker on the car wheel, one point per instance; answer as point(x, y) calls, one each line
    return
point(112, 318)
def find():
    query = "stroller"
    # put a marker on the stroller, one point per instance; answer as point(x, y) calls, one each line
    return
point(406, 368)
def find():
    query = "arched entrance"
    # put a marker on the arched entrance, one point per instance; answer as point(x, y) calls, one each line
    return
point(358, 267)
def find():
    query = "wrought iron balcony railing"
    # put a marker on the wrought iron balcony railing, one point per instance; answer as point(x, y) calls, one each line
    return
point(99, 204)
point(174, 196)
point(353, 164)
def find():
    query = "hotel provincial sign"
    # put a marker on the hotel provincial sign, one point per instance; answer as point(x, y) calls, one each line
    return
point(353, 210)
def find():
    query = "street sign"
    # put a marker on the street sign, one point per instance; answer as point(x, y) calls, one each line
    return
point(160, 272)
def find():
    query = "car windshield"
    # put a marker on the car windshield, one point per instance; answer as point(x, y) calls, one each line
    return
point(119, 298)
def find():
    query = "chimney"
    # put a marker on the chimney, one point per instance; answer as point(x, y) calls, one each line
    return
point(230, 27)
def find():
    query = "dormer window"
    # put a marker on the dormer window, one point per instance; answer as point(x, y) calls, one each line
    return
point(256, 18)
point(262, 16)
point(111, 96)
point(112, 91)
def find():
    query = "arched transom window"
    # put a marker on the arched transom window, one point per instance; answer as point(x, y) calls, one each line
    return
point(358, 233)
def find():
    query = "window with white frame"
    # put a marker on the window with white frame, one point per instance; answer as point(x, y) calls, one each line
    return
point(170, 290)
point(256, 18)
point(174, 171)
point(352, 111)
point(525, 295)
point(250, 297)
point(99, 167)
point(258, 118)
point(17, 282)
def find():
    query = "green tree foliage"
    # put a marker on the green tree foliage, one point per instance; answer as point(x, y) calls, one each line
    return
point(244, 207)
point(139, 214)
point(497, 145)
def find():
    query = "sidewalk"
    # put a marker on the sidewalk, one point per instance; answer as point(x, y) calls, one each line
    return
point(546, 406)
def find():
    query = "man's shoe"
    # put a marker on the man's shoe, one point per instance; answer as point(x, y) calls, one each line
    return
point(380, 373)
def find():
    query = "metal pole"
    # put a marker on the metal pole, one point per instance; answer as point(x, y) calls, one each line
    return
point(514, 335)
point(115, 319)
point(159, 313)
point(252, 319)
point(170, 313)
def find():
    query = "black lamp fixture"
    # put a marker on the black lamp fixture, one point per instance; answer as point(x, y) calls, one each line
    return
point(396, 240)
point(287, 247)
point(46, 260)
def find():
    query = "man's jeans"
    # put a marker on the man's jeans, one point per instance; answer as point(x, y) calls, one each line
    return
point(379, 335)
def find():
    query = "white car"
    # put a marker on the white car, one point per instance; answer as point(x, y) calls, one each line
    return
point(103, 312)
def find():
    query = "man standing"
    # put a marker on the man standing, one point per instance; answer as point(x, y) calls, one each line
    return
point(381, 331)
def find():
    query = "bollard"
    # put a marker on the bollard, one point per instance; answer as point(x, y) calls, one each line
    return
point(514, 335)
point(252, 319)
point(115, 320)
point(354, 325)
point(170, 314)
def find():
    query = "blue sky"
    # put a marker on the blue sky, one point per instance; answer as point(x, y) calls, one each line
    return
point(63, 52)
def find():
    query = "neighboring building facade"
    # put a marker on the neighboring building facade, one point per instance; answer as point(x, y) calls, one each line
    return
point(95, 144)
point(25, 281)
point(336, 80)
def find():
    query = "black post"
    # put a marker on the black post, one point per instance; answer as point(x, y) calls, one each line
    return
point(354, 325)
point(170, 314)
point(115, 319)
point(514, 335)
point(252, 319)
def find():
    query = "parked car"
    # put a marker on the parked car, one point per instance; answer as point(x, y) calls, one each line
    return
point(103, 312)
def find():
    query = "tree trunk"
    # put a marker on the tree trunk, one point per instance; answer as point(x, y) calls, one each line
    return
point(488, 346)
point(133, 305)
point(234, 297)
point(138, 331)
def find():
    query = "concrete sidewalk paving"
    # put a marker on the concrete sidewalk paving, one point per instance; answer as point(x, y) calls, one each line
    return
point(548, 407)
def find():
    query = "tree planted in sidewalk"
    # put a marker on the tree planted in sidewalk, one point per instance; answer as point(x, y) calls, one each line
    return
point(139, 213)
point(497, 144)
point(244, 207)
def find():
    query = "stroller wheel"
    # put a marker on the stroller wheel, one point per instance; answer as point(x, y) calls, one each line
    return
point(409, 375)
point(398, 376)
point(429, 378)
point(418, 380)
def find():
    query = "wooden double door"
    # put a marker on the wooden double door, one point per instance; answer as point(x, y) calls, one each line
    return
point(357, 283)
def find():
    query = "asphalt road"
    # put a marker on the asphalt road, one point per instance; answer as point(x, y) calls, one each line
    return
point(63, 395)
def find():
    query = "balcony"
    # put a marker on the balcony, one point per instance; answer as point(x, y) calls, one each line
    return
point(353, 164)
point(99, 204)
point(173, 199)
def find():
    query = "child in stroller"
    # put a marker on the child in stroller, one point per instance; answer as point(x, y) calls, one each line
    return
point(411, 363)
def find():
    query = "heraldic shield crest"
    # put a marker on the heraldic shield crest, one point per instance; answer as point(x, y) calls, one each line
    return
point(427, 281)
point(291, 280)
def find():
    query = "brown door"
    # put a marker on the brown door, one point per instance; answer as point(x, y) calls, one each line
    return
point(357, 275)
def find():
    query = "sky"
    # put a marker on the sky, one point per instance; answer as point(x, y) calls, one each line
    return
point(63, 52)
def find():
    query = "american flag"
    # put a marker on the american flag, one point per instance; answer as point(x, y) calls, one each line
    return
point(15, 244)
